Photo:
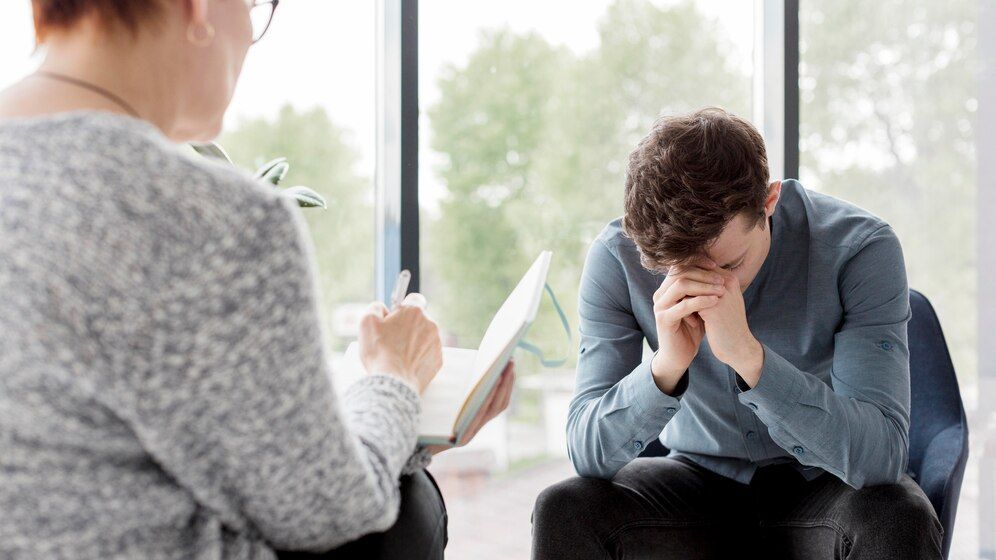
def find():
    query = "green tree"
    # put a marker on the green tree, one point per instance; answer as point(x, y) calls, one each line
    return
point(536, 140)
point(493, 115)
point(888, 101)
point(322, 157)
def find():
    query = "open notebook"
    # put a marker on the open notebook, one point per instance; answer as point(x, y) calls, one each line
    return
point(461, 387)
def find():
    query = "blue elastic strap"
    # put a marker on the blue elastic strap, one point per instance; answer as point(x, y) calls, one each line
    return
point(533, 349)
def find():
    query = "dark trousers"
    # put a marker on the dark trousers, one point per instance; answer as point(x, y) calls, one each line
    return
point(419, 533)
point(666, 507)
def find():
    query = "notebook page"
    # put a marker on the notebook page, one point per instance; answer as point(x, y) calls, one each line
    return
point(503, 334)
point(519, 309)
point(441, 400)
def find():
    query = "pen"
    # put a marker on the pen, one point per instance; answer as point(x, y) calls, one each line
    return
point(400, 288)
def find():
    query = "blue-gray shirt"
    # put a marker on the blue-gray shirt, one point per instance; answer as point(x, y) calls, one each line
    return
point(830, 306)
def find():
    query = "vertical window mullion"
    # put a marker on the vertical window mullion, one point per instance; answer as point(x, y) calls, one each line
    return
point(396, 174)
point(776, 82)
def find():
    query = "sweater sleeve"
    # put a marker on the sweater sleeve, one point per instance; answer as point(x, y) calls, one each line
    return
point(238, 404)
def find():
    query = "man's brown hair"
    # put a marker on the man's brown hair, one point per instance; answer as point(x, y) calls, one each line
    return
point(687, 179)
point(62, 14)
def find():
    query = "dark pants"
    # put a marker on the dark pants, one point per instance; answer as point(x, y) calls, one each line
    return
point(666, 507)
point(419, 532)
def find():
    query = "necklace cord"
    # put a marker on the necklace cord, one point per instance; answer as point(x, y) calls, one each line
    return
point(92, 87)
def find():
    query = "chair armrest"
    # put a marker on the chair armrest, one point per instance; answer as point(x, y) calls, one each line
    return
point(943, 467)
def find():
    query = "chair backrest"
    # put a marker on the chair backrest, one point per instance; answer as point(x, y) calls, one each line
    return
point(935, 398)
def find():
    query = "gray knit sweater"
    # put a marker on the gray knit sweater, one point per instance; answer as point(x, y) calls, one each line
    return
point(164, 388)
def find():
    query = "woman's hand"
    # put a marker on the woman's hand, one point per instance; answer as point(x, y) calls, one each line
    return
point(404, 343)
point(495, 404)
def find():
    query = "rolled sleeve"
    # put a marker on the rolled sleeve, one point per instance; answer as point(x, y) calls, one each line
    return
point(857, 427)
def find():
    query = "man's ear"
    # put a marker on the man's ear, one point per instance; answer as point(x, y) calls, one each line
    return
point(774, 193)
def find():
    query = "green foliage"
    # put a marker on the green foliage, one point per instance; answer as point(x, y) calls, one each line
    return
point(211, 150)
point(305, 197)
point(887, 91)
point(271, 172)
point(274, 171)
point(535, 140)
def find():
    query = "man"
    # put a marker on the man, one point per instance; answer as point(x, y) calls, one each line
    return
point(779, 379)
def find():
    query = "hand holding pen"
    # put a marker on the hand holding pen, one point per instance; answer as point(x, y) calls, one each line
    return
point(403, 342)
point(400, 295)
point(500, 396)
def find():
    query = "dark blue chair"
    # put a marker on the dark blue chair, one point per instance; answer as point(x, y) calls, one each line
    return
point(938, 427)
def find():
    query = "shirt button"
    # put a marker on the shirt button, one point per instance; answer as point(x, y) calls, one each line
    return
point(751, 435)
point(638, 445)
point(886, 345)
point(752, 405)
point(798, 450)
point(671, 410)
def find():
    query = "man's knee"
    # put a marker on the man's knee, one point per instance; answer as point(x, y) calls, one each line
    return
point(570, 502)
point(892, 504)
point(893, 515)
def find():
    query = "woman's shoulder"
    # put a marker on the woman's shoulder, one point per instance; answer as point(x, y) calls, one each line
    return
point(116, 190)
point(134, 167)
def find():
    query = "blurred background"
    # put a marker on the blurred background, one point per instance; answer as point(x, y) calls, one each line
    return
point(526, 114)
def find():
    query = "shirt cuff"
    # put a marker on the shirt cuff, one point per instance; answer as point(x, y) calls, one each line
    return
point(777, 388)
point(653, 403)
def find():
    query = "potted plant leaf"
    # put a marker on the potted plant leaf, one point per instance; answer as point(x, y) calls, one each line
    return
point(272, 173)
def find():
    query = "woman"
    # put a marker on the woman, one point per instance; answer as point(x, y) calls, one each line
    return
point(164, 390)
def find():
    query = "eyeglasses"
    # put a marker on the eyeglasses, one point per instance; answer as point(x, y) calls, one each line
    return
point(261, 13)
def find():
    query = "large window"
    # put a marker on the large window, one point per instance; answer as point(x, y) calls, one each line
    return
point(17, 42)
point(301, 96)
point(887, 121)
point(528, 113)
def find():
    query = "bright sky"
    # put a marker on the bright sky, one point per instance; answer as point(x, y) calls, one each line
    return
point(322, 52)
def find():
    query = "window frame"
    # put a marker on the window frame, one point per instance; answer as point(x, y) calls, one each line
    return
point(776, 106)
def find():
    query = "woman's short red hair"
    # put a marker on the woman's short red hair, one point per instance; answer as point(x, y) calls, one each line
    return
point(63, 14)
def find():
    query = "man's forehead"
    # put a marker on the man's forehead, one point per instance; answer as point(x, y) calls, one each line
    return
point(732, 243)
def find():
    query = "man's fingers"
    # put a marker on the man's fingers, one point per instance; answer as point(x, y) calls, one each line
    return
point(686, 307)
point(692, 320)
point(690, 274)
point(706, 262)
point(687, 287)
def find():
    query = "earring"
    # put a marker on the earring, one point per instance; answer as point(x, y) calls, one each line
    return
point(207, 36)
